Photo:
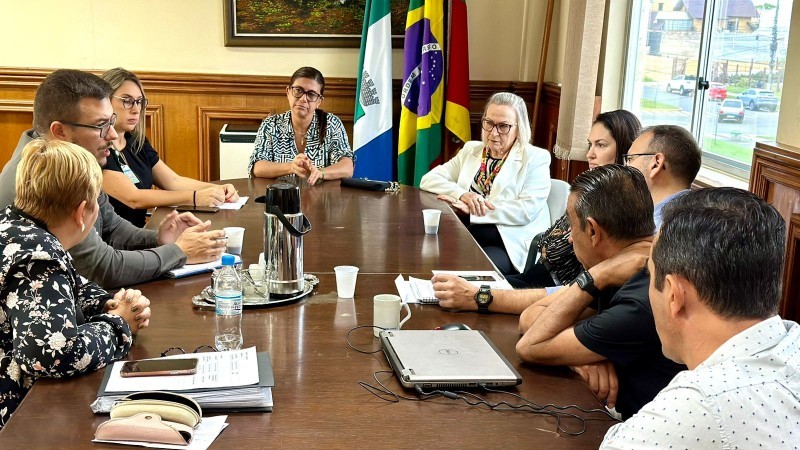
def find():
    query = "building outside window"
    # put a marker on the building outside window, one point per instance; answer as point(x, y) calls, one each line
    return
point(673, 51)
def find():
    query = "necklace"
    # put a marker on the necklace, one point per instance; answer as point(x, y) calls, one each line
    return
point(486, 178)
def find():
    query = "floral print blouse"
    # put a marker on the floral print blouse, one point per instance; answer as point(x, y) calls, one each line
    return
point(51, 319)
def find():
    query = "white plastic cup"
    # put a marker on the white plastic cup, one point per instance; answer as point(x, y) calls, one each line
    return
point(431, 219)
point(235, 237)
point(386, 312)
point(346, 280)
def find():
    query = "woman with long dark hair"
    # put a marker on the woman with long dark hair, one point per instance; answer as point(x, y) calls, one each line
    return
point(305, 141)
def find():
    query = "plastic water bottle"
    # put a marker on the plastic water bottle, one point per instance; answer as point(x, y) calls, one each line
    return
point(228, 291)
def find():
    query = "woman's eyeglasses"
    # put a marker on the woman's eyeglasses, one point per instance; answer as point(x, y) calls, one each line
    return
point(502, 128)
point(128, 102)
point(298, 92)
point(103, 127)
point(180, 351)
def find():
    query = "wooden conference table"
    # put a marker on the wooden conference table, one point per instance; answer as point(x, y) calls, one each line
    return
point(318, 403)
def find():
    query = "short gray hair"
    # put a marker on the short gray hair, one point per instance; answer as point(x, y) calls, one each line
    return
point(518, 104)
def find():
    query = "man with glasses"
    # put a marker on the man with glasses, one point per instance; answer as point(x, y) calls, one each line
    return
point(74, 106)
point(669, 158)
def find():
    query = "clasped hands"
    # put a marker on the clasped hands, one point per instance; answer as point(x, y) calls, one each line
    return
point(192, 236)
point(469, 203)
point(132, 306)
point(304, 168)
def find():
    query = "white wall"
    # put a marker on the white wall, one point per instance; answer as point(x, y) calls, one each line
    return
point(789, 119)
point(188, 36)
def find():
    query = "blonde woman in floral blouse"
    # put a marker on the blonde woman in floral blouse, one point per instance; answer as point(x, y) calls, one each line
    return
point(53, 322)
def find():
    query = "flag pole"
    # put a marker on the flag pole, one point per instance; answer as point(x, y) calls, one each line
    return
point(542, 65)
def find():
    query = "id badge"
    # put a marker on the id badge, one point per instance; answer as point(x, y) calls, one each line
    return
point(129, 173)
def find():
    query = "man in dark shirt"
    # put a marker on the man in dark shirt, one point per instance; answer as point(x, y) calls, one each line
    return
point(607, 334)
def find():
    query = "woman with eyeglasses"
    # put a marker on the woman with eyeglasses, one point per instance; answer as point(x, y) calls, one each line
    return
point(134, 167)
point(53, 322)
point(305, 141)
point(500, 184)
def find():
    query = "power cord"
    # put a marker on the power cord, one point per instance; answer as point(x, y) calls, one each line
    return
point(350, 344)
point(560, 413)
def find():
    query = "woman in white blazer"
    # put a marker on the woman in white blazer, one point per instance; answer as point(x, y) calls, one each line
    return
point(500, 184)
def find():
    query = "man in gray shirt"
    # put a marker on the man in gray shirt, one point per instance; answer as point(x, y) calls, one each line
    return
point(75, 106)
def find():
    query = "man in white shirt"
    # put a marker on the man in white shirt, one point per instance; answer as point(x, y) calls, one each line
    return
point(715, 289)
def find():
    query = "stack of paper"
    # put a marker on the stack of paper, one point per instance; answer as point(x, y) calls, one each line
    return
point(418, 290)
point(239, 380)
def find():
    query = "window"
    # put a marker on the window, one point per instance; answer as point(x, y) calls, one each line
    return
point(741, 54)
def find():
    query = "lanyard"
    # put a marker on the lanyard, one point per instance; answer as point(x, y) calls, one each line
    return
point(485, 179)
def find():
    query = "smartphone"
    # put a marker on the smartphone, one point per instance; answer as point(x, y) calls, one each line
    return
point(192, 208)
point(478, 277)
point(159, 367)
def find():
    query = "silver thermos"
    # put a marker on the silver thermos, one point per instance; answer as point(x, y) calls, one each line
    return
point(284, 227)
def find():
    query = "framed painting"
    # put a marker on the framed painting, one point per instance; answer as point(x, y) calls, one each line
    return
point(303, 23)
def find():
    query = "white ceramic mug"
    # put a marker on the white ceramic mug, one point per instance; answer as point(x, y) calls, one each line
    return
point(387, 312)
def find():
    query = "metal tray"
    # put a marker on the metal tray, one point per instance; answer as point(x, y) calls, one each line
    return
point(206, 298)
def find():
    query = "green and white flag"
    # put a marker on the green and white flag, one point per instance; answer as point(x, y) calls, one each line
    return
point(372, 130)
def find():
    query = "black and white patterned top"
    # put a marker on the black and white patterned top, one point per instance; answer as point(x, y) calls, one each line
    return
point(743, 396)
point(275, 142)
point(51, 319)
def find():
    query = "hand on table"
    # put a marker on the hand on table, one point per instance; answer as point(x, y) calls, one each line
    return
point(476, 204)
point(301, 165)
point(316, 176)
point(210, 196)
point(454, 292)
point(456, 204)
point(601, 377)
point(132, 306)
point(231, 195)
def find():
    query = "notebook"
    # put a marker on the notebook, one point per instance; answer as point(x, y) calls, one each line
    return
point(434, 359)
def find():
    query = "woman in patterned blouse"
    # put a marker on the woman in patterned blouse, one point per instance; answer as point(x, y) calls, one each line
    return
point(53, 322)
point(304, 141)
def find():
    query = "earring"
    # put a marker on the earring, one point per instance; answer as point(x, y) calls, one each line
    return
point(83, 227)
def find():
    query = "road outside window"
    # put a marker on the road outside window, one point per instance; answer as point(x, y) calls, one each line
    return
point(743, 63)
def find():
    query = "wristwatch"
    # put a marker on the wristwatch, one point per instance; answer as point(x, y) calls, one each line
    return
point(484, 298)
point(586, 283)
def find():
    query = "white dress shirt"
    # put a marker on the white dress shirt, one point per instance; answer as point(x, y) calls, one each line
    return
point(746, 395)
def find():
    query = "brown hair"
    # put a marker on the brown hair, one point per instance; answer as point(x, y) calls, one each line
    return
point(322, 117)
point(623, 126)
point(59, 95)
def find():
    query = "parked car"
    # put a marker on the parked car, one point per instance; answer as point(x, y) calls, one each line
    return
point(731, 109)
point(756, 99)
point(684, 84)
point(717, 91)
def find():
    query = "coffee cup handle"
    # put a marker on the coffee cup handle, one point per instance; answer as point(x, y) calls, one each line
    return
point(408, 316)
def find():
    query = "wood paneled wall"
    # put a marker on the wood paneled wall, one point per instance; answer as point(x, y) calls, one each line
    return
point(775, 177)
point(186, 111)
